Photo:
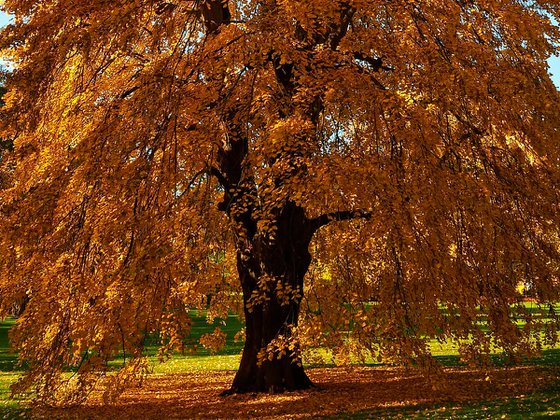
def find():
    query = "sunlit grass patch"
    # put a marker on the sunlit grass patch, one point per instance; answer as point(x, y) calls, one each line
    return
point(9, 408)
point(198, 364)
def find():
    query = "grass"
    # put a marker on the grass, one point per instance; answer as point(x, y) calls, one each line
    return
point(9, 408)
point(541, 404)
point(537, 405)
point(7, 358)
point(201, 359)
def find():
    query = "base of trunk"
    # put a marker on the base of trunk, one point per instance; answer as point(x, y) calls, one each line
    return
point(271, 377)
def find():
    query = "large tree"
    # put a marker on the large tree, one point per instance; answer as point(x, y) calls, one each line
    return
point(369, 174)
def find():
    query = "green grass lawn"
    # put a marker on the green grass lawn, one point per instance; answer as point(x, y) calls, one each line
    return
point(226, 359)
point(9, 408)
point(544, 403)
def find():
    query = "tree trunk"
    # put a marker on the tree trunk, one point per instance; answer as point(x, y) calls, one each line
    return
point(269, 266)
point(266, 270)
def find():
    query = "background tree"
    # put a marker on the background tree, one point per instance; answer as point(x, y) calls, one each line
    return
point(6, 170)
point(6, 145)
point(167, 151)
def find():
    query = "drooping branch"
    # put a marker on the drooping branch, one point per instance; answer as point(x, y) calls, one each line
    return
point(375, 63)
point(208, 170)
point(216, 13)
point(338, 216)
point(219, 176)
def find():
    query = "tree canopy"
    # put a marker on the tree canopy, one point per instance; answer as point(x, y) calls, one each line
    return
point(362, 175)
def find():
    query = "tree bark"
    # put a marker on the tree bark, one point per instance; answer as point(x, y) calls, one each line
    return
point(271, 267)
point(265, 268)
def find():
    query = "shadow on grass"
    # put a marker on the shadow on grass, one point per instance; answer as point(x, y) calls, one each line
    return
point(8, 360)
point(14, 412)
point(549, 357)
point(541, 404)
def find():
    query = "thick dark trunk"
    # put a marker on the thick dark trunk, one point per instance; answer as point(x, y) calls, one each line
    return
point(272, 275)
point(256, 372)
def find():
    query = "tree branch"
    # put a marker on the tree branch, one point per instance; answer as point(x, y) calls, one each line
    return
point(376, 64)
point(215, 13)
point(209, 170)
point(346, 15)
point(221, 178)
point(338, 216)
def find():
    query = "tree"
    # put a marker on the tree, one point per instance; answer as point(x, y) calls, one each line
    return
point(6, 145)
point(369, 174)
point(6, 169)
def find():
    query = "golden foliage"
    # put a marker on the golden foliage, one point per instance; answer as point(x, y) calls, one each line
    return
point(159, 148)
point(214, 341)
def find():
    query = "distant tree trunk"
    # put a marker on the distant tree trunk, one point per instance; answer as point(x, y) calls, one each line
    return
point(19, 306)
point(265, 268)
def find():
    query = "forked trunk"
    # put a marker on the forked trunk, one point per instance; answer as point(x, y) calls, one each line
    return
point(271, 275)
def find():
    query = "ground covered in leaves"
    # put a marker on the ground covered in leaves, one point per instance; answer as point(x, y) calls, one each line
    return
point(359, 392)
